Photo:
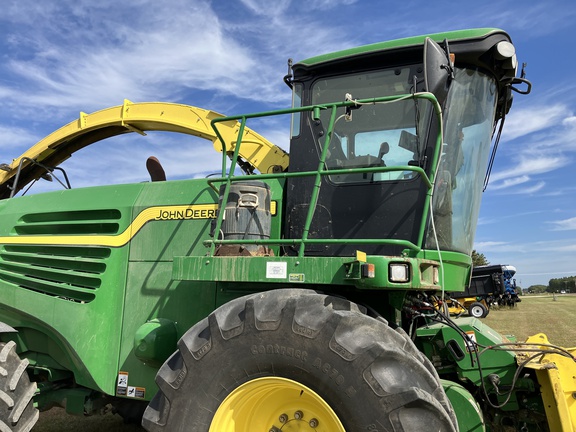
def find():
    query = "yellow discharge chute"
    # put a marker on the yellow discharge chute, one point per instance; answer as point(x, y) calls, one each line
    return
point(141, 117)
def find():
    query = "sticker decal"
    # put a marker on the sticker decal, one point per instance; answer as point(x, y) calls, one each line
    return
point(471, 343)
point(296, 277)
point(276, 270)
point(122, 383)
point(136, 392)
point(123, 389)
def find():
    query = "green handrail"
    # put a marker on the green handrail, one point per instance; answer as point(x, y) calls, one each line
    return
point(321, 171)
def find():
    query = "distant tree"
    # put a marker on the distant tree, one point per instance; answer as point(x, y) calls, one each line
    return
point(537, 289)
point(567, 284)
point(478, 259)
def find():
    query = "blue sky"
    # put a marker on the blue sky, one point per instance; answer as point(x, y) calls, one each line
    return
point(62, 57)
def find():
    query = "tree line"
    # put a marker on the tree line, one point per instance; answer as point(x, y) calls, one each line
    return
point(567, 284)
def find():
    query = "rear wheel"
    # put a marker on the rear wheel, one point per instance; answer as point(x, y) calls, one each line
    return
point(17, 411)
point(299, 361)
point(477, 310)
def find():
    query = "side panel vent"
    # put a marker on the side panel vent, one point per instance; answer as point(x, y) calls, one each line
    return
point(71, 273)
point(70, 222)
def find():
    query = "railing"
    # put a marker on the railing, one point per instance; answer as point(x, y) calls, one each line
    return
point(49, 171)
point(322, 171)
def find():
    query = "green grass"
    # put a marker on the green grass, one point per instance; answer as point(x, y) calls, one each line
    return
point(535, 314)
point(538, 314)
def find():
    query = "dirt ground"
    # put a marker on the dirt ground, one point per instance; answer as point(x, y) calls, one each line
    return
point(56, 420)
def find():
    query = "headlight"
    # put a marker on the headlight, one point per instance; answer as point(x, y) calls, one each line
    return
point(399, 272)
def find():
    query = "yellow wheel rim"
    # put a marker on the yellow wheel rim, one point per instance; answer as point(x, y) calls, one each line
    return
point(274, 404)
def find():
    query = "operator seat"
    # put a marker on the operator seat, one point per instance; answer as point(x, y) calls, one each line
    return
point(155, 169)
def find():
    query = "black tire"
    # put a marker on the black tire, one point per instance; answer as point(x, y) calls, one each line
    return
point(371, 375)
point(17, 411)
point(478, 310)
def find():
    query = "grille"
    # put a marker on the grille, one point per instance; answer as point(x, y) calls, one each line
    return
point(70, 222)
point(70, 273)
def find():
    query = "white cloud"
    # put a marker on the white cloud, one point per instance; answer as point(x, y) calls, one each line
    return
point(570, 122)
point(144, 53)
point(524, 171)
point(88, 55)
point(565, 224)
point(531, 189)
point(509, 182)
point(533, 166)
point(490, 246)
point(266, 7)
point(524, 121)
point(14, 138)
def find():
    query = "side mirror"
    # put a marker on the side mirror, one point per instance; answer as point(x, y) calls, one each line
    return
point(437, 70)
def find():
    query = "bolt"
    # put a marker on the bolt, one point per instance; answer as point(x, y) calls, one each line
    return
point(298, 415)
point(313, 423)
point(283, 418)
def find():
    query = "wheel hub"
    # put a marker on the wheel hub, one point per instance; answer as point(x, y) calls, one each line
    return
point(274, 404)
point(296, 423)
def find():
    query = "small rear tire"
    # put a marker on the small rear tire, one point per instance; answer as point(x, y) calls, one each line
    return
point(17, 411)
point(297, 360)
point(478, 310)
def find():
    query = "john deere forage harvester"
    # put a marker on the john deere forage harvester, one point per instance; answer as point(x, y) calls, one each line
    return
point(290, 291)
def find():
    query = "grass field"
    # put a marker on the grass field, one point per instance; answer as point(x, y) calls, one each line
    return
point(535, 314)
point(538, 314)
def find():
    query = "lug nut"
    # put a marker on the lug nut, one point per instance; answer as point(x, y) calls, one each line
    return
point(283, 418)
point(298, 415)
point(313, 423)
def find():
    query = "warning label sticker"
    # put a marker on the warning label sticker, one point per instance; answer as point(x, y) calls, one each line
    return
point(122, 383)
point(123, 389)
point(471, 341)
point(276, 270)
point(136, 392)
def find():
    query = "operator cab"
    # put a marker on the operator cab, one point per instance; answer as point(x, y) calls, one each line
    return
point(384, 152)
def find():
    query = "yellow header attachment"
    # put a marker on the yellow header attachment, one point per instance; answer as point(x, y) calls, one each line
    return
point(556, 375)
point(140, 117)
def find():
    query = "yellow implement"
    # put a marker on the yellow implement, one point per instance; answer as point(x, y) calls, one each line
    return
point(557, 381)
point(140, 117)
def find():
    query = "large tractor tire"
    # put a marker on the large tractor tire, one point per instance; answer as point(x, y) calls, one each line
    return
point(295, 360)
point(17, 411)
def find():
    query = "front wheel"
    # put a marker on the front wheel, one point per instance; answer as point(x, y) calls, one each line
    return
point(17, 411)
point(299, 361)
point(478, 310)
point(269, 403)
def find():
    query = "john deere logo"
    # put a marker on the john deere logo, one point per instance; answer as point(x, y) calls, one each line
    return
point(194, 212)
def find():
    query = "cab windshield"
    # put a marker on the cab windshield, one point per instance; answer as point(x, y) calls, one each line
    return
point(468, 124)
point(383, 134)
point(397, 135)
